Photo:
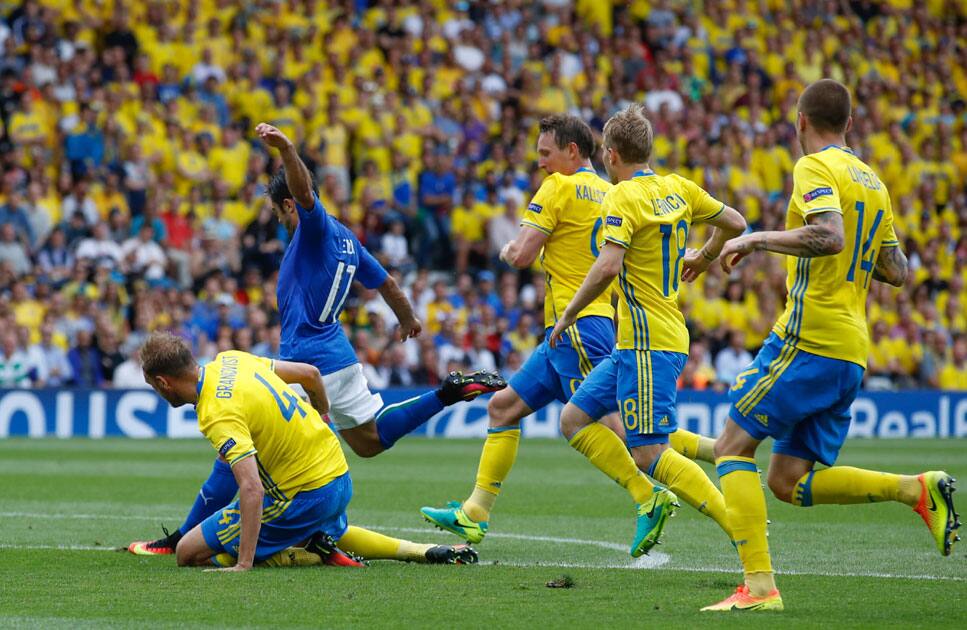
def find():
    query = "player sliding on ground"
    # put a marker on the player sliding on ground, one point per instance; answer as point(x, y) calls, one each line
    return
point(563, 224)
point(647, 218)
point(293, 479)
point(321, 262)
point(839, 237)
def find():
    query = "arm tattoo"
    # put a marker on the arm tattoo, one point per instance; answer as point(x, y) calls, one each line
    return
point(891, 266)
point(823, 235)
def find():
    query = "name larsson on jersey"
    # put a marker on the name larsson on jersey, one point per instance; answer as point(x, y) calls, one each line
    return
point(226, 378)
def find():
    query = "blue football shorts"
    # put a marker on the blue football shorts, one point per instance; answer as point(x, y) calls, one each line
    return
point(556, 373)
point(284, 523)
point(800, 399)
point(640, 384)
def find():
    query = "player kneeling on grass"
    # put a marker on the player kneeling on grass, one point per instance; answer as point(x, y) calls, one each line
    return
point(293, 478)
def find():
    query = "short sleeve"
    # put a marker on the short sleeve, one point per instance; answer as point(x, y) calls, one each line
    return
point(542, 212)
point(814, 189)
point(312, 221)
point(620, 224)
point(265, 362)
point(890, 238)
point(370, 273)
point(704, 206)
point(229, 435)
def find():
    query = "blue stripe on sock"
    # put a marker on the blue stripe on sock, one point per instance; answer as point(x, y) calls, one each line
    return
point(804, 490)
point(654, 465)
point(734, 465)
point(515, 427)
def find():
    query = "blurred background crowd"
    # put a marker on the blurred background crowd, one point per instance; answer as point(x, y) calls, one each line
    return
point(132, 192)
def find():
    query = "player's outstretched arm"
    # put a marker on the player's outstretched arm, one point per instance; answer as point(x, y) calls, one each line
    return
point(725, 226)
point(250, 495)
point(602, 273)
point(309, 377)
point(821, 236)
point(410, 325)
point(891, 266)
point(521, 252)
point(297, 176)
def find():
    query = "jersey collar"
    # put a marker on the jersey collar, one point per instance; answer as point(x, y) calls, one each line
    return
point(586, 169)
point(644, 173)
point(836, 146)
point(201, 380)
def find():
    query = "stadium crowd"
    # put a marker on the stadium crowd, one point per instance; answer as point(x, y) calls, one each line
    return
point(132, 193)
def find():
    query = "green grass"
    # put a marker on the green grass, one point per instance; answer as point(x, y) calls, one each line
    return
point(860, 566)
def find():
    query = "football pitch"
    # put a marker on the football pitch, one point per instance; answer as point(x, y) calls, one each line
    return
point(67, 506)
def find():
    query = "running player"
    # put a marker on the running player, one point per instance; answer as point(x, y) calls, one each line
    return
point(320, 264)
point(647, 218)
point(839, 237)
point(293, 479)
point(563, 225)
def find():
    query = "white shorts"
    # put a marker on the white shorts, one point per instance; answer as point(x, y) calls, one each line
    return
point(350, 401)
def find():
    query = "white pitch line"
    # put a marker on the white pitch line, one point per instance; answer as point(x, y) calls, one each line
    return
point(60, 547)
point(651, 561)
point(106, 517)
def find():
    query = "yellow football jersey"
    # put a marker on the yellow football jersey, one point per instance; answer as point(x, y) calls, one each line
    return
point(650, 215)
point(568, 209)
point(245, 410)
point(826, 307)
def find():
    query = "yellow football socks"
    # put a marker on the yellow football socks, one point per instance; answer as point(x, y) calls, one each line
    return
point(693, 445)
point(293, 557)
point(745, 505)
point(496, 460)
point(687, 480)
point(845, 484)
point(375, 546)
point(610, 455)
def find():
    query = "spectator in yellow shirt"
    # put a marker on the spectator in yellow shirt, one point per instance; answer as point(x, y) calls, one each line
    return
point(953, 376)
point(467, 226)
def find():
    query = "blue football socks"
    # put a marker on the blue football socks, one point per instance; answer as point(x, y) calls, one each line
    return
point(217, 491)
point(395, 421)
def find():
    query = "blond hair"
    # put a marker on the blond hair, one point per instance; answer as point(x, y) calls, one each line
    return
point(629, 133)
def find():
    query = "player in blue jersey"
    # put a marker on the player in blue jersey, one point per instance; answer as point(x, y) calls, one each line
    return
point(316, 275)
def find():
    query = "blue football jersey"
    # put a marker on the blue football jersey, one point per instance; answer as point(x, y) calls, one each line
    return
point(315, 277)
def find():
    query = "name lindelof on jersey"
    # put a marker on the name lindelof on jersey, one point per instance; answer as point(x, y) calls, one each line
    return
point(667, 205)
point(866, 179)
point(587, 193)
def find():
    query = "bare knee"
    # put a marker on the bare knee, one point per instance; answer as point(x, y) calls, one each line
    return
point(573, 420)
point(367, 449)
point(782, 485)
point(503, 409)
point(183, 555)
